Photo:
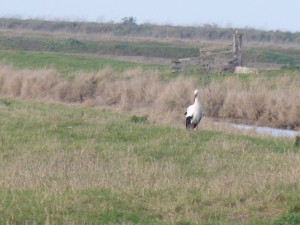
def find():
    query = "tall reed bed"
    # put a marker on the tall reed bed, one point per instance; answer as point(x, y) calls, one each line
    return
point(258, 100)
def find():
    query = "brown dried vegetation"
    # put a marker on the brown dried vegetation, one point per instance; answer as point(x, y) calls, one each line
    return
point(271, 102)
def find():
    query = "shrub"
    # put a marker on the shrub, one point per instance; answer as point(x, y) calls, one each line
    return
point(139, 119)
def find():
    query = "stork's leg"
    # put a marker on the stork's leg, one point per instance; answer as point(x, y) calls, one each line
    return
point(194, 126)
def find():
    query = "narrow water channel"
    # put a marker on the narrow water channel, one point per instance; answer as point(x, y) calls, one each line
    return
point(274, 132)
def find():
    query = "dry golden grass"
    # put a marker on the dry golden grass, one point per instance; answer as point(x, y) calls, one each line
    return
point(271, 102)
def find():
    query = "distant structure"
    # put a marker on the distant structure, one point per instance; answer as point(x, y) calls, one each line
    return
point(214, 59)
point(237, 49)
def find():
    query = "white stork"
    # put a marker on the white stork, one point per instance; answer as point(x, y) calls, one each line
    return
point(194, 113)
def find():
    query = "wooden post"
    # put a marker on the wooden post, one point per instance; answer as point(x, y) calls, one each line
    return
point(237, 49)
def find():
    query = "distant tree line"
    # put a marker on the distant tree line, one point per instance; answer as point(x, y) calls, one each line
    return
point(128, 26)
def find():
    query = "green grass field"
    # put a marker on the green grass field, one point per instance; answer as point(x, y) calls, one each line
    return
point(67, 64)
point(64, 164)
point(72, 163)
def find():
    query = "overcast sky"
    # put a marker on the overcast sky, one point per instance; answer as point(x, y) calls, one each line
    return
point(261, 14)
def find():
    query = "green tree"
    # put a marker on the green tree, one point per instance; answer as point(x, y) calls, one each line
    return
point(129, 20)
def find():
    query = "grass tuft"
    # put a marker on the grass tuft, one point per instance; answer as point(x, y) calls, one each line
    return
point(139, 119)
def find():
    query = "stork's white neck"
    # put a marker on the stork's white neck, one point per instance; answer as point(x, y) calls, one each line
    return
point(196, 99)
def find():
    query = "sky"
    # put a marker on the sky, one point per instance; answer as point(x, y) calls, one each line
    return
point(259, 14)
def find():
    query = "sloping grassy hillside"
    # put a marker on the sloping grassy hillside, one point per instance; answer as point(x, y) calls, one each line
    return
point(71, 165)
point(73, 45)
point(20, 40)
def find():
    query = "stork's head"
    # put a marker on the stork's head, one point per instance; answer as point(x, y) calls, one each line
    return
point(196, 93)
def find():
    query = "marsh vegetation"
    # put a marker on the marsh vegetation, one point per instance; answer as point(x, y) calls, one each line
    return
point(88, 136)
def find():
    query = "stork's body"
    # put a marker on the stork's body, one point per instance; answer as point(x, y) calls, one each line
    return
point(194, 113)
